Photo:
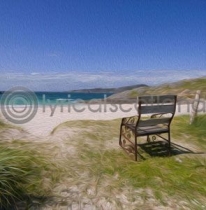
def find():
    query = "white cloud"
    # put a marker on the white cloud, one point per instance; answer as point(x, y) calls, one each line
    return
point(76, 80)
point(35, 73)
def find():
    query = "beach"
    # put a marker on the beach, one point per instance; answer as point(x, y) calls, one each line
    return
point(49, 117)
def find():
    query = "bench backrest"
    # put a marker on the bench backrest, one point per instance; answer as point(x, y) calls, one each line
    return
point(150, 105)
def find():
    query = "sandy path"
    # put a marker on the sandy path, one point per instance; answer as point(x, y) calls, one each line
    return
point(47, 118)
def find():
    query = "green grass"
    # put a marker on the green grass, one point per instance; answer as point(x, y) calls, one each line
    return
point(180, 178)
point(196, 84)
point(27, 173)
point(98, 164)
point(174, 88)
point(165, 176)
point(22, 175)
point(194, 134)
point(3, 125)
point(133, 94)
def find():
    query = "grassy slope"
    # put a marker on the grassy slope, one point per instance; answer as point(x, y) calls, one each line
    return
point(27, 171)
point(97, 162)
point(185, 89)
point(179, 179)
point(99, 165)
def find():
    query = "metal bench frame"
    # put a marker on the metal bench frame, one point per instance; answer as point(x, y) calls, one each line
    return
point(155, 114)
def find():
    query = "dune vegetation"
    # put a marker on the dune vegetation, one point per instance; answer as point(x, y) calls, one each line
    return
point(100, 167)
point(81, 166)
point(184, 89)
point(27, 171)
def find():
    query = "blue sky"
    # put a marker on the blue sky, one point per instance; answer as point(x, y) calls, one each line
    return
point(64, 45)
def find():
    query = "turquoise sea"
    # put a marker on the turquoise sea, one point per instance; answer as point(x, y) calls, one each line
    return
point(54, 97)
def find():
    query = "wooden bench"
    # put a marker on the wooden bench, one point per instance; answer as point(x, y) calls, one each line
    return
point(154, 117)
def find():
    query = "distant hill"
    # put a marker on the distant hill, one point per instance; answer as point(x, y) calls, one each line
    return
point(108, 90)
point(184, 89)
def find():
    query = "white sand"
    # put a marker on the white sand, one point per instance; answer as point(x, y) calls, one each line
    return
point(46, 120)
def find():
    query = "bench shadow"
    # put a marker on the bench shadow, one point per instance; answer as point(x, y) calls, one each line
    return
point(160, 149)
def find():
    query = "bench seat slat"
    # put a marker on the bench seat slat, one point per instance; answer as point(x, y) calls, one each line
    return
point(153, 122)
point(143, 131)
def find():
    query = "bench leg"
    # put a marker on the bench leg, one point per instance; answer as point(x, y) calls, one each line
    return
point(169, 144)
point(120, 136)
point(135, 148)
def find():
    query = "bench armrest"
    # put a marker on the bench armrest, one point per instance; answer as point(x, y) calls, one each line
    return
point(130, 120)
